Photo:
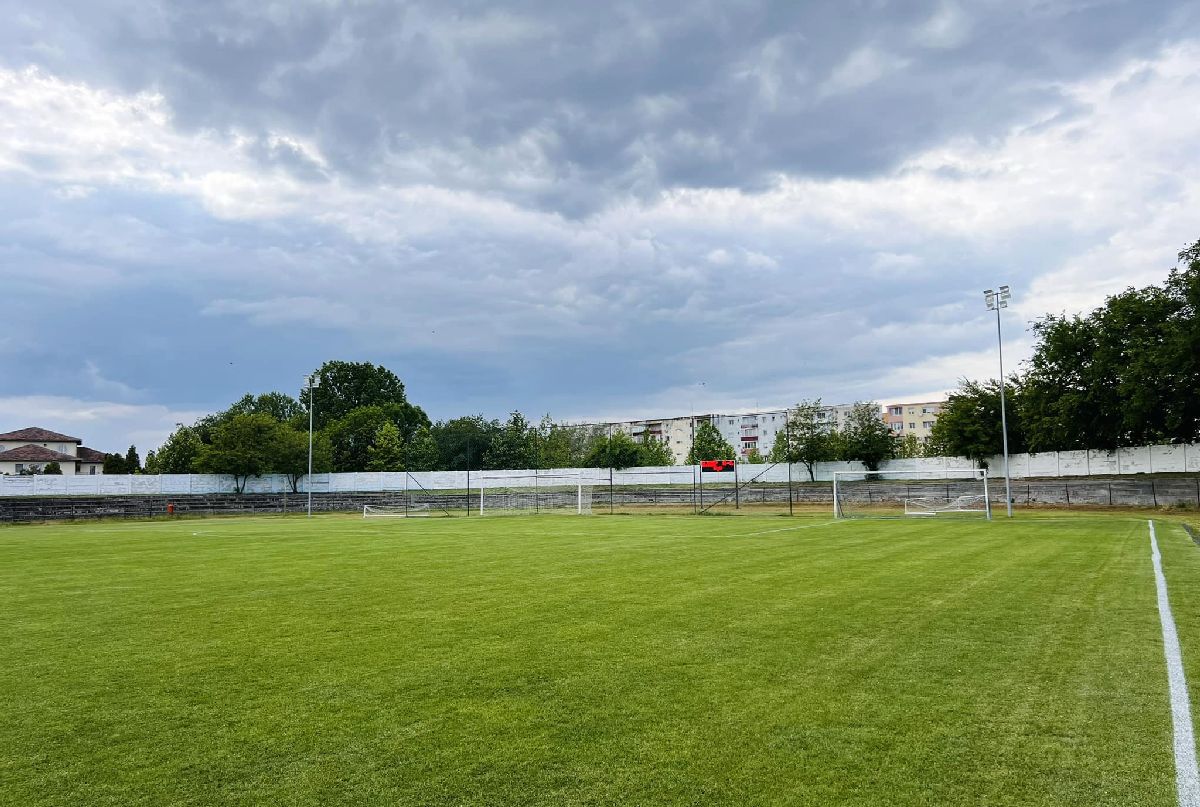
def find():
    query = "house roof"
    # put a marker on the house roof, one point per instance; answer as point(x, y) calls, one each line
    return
point(34, 454)
point(36, 434)
point(89, 455)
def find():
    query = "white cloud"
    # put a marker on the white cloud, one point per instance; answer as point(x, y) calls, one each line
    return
point(1065, 208)
point(947, 27)
point(864, 66)
point(103, 425)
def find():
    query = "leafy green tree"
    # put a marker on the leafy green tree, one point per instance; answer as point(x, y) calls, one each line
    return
point(151, 464)
point(1125, 374)
point(278, 405)
point(807, 438)
point(514, 445)
point(350, 437)
point(867, 438)
point(346, 386)
point(423, 452)
point(290, 454)
point(708, 444)
point(52, 469)
point(464, 441)
point(755, 457)
point(613, 451)
point(909, 447)
point(243, 446)
point(558, 445)
point(178, 454)
point(969, 423)
point(386, 452)
point(133, 463)
point(654, 452)
point(115, 464)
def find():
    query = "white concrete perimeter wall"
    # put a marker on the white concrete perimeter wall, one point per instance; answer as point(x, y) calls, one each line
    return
point(1144, 459)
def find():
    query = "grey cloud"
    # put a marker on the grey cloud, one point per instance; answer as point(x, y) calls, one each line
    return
point(568, 106)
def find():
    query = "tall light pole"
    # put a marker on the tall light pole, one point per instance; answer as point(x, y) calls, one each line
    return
point(313, 381)
point(995, 301)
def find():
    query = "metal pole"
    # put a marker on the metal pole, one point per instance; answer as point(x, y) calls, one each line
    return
point(608, 459)
point(468, 496)
point(1004, 418)
point(310, 444)
point(787, 455)
point(737, 494)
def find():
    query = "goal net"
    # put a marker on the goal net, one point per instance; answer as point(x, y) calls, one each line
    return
point(395, 511)
point(920, 494)
point(535, 493)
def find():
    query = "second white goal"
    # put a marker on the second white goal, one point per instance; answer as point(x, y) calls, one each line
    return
point(961, 493)
point(535, 493)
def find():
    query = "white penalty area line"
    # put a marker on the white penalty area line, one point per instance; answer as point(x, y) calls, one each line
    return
point(1187, 777)
point(787, 529)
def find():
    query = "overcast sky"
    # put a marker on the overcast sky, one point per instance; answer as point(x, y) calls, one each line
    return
point(587, 209)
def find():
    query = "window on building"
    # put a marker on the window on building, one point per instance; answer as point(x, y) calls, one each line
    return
point(897, 410)
point(928, 424)
point(912, 425)
point(92, 470)
point(897, 427)
point(20, 467)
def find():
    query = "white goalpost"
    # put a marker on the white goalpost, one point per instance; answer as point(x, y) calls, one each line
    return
point(415, 502)
point(961, 493)
point(392, 511)
point(535, 492)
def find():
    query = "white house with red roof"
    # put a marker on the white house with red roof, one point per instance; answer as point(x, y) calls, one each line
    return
point(32, 449)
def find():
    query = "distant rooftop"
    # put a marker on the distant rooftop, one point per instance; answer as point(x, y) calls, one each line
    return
point(35, 434)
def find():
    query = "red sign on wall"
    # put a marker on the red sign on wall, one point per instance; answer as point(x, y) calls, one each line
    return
point(717, 465)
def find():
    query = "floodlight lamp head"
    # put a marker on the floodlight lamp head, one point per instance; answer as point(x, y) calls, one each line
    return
point(989, 297)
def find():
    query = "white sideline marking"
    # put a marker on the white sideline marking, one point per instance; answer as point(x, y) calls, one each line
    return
point(1187, 777)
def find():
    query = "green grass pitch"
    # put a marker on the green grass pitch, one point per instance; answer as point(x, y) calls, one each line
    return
point(579, 661)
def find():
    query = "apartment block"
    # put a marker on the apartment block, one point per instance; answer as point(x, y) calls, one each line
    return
point(912, 418)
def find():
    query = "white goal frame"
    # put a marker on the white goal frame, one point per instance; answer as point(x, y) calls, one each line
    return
point(948, 474)
point(392, 511)
point(553, 478)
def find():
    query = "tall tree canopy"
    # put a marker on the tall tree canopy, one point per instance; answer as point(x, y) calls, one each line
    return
point(243, 446)
point(345, 386)
point(867, 437)
point(1125, 374)
point(513, 446)
point(351, 436)
point(969, 423)
point(708, 444)
point(807, 438)
point(464, 441)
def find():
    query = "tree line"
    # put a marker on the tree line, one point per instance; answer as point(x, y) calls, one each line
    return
point(1125, 374)
point(808, 438)
point(363, 421)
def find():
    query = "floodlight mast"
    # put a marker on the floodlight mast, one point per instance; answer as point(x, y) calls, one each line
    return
point(995, 301)
point(313, 381)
